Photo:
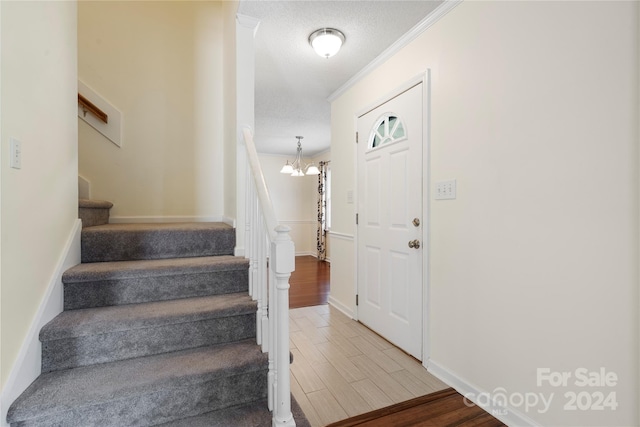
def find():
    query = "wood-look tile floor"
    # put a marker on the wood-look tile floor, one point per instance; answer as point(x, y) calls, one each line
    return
point(342, 369)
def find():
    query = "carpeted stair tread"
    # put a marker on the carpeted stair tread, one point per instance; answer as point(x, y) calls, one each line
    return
point(93, 212)
point(123, 242)
point(253, 414)
point(95, 271)
point(91, 321)
point(130, 282)
point(94, 204)
point(113, 386)
point(164, 226)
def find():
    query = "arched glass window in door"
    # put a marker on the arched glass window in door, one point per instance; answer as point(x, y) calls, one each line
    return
point(387, 129)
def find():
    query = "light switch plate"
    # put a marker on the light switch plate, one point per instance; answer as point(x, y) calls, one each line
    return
point(350, 197)
point(15, 156)
point(446, 190)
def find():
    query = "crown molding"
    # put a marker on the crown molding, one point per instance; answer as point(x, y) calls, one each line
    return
point(445, 7)
point(248, 22)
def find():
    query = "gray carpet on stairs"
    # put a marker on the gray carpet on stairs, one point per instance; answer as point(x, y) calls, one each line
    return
point(158, 328)
point(93, 212)
point(123, 242)
point(147, 390)
point(127, 282)
point(98, 335)
point(255, 414)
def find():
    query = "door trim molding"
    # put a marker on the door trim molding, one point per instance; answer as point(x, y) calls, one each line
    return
point(397, 91)
point(425, 79)
point(426, 214)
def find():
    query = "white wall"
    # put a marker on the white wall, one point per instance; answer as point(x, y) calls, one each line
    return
point(534, 111)
point(293, 200)
point(160, 63)
point(40, 201)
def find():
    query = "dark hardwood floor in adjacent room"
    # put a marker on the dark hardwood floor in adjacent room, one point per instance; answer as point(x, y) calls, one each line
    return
point(309, 282)
point(442, 408)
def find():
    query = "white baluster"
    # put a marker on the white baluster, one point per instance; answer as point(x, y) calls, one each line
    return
point(271, 378)
point(250, 197)
point(262, 314)
point(255, 238)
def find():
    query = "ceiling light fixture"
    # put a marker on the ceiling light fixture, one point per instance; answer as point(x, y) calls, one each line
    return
point(295, 168)
point(326, 41)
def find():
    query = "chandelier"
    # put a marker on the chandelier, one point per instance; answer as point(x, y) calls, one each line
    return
point(295, 168)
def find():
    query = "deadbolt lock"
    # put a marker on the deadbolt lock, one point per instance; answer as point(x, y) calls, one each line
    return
point(414, 244)
point(416, 222)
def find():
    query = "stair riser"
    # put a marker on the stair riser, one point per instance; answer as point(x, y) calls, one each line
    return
point(91, 216)
point(155, 244)
point(109, 347)
point(148, 289)
point(162, 406)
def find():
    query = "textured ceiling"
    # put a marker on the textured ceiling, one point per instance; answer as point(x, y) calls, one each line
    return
point(293, 82)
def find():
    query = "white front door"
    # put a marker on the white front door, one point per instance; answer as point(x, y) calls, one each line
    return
point(390, 223)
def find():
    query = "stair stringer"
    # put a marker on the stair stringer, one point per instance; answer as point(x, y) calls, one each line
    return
point(28, 365)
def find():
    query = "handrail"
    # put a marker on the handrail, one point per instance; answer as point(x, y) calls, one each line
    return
point(90, 107)
point(271, 256)
point(261, 185)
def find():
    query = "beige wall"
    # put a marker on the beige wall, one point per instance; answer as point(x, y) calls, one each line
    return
point(160, 63)
point(39, 202)
point(293, 200)
point(534, 111)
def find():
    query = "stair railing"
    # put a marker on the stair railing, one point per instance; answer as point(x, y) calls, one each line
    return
point(271, 256)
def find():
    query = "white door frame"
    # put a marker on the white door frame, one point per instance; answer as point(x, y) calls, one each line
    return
point(425, 79)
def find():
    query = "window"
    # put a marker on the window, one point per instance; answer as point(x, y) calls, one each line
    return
point(327, 199)
point(388, 129)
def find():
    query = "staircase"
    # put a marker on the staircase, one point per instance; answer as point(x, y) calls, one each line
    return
point(158, 329)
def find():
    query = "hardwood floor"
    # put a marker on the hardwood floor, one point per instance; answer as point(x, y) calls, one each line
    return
point(309, 282)
point(442, 408)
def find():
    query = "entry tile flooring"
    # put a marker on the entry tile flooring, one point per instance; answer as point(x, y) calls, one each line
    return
point(341, 368)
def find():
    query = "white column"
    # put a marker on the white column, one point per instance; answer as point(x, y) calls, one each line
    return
point(283, 253)
point(246, 28)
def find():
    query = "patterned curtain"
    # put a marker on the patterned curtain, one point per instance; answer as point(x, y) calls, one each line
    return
point(322, 212)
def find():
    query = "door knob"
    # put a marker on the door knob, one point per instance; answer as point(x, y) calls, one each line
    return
point(416, 222)
point(414, 244)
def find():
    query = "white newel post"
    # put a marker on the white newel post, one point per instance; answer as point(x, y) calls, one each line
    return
point(282, 252)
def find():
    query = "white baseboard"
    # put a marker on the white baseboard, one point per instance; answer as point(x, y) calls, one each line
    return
point(307, 253)
point(341, 307)
point(28, 363)
point(169, 218)
point(298, 221)
point(507, 415)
